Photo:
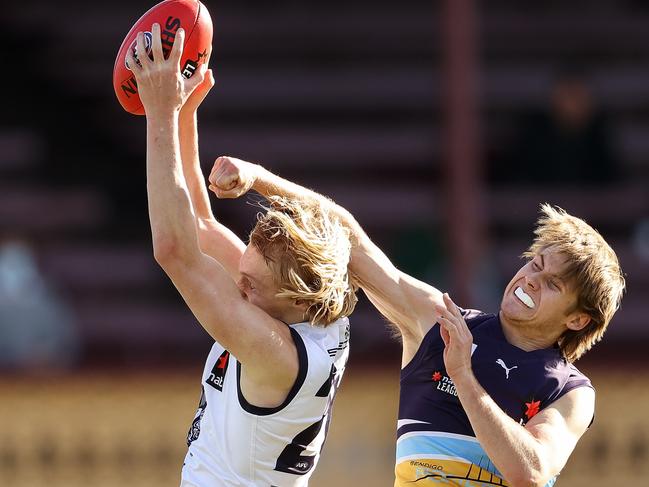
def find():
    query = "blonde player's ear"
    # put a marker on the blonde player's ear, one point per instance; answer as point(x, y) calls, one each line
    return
point(301, 304)
point(579, 322)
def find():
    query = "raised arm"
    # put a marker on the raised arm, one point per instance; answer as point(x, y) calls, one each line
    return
point(215, 239)
point(402, 299)
point(261, 343)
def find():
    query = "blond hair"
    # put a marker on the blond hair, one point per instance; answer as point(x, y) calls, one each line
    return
point(592, 269)
point(308, 250)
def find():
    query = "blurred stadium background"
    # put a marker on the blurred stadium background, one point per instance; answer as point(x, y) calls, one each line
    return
point(440, 125)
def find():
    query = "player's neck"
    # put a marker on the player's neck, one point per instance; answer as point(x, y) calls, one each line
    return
point(293, 316)
point(526, 336)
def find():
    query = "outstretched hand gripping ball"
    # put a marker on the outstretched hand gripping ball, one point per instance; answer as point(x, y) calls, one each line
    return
point(192, 16)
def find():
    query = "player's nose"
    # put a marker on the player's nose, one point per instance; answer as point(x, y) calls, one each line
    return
point(531, 283)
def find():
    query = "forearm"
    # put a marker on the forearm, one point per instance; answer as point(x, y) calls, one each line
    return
point(403, 300)
point(366, 259)
point(170, 210)
point(511, 447)
point(268, 184)
point(214, 238)
point(192, 171)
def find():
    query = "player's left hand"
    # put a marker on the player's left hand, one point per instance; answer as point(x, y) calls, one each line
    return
point(231, 177)
point(198, 95)
point(161, 87)
point(457, 338)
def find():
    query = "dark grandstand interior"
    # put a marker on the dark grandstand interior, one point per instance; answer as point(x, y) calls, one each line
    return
point(345, 98)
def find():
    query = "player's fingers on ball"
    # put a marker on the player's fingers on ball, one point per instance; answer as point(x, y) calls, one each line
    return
point(141, 50)
point(132, 63)
point(156, 43)
point(195, 81)
point(206, 84)
point(199, 75)
point(177, 49)
point(192, 83)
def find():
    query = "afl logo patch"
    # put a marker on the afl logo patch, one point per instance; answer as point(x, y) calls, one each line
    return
point(148, 38)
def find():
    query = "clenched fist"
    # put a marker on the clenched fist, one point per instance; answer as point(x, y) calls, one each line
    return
point(231, 178)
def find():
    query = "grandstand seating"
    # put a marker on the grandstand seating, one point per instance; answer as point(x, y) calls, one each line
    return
point(345, 98)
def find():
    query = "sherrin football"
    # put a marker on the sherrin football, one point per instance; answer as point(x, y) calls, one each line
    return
point(192, 16)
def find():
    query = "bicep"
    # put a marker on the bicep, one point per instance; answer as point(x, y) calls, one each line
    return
point(402, 299)
point(560, 425)
point(221, 243)
point(253, 336)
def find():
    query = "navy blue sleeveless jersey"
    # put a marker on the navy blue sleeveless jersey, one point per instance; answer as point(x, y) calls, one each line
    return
point(435, 441)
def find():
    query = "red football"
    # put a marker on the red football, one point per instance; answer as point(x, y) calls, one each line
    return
point(192, 16)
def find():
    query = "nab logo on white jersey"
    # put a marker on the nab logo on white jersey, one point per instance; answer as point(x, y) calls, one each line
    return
point(217, 375)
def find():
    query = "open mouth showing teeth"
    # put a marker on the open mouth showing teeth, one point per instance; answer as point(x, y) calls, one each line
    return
point(520, 294)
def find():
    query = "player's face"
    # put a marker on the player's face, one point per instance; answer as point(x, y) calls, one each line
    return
point(258, 286)
point(537, 298)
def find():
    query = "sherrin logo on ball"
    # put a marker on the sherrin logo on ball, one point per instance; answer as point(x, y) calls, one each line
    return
point(192, 16)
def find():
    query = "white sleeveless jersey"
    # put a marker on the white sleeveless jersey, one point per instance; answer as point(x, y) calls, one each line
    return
point(232, 442)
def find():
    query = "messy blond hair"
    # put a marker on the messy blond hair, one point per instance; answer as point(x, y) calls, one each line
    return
point(308, 250)
point(592, 269)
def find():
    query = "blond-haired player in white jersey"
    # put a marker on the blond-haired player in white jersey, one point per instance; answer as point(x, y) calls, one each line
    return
point(276, 308)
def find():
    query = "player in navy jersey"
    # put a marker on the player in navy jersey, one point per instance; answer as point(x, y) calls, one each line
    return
point(486, 399)
point(277, 308)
